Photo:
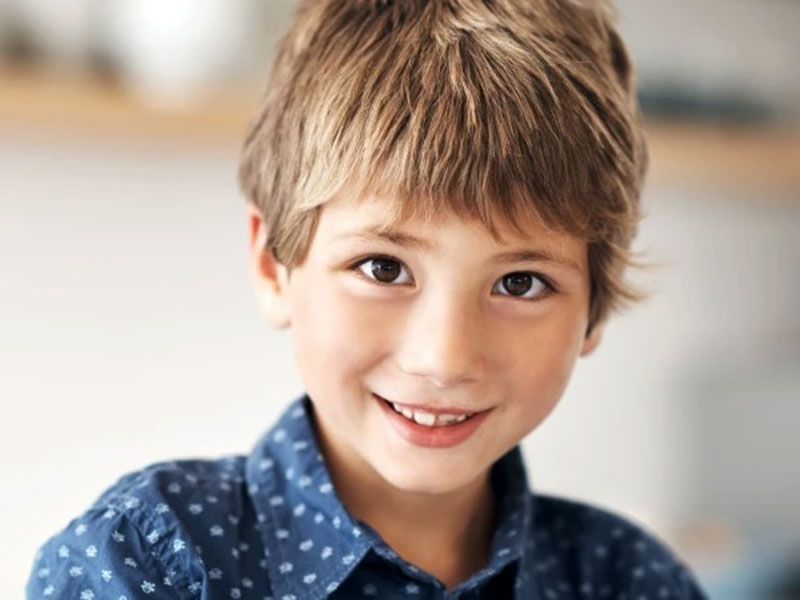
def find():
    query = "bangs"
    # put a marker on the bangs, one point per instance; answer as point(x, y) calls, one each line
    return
point(462, 120)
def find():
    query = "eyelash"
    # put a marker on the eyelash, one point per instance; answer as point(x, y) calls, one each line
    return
point(550, 288)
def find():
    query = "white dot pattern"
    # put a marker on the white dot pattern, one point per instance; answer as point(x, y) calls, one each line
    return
point(270, 526)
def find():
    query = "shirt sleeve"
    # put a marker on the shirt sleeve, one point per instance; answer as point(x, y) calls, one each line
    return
point(686, 586)
point(101, 555)
point(654, 571)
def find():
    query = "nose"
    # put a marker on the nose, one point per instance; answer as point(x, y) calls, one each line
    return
point(442, 342)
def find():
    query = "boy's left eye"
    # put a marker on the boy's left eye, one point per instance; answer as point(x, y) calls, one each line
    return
point(520, 284)
point(524, 284)
point(384, 269)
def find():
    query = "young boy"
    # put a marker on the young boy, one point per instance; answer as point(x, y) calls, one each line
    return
point(442, 196)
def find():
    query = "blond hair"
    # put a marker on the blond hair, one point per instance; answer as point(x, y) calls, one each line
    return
point(489, 109)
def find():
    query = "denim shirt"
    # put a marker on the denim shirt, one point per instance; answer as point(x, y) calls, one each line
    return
point(270, 526)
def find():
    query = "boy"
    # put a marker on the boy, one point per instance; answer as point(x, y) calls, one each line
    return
point(442, 195)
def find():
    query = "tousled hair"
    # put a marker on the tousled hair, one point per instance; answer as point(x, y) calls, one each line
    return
point(497, 110)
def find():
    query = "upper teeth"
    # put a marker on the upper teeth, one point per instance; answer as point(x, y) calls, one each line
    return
point(429, 419)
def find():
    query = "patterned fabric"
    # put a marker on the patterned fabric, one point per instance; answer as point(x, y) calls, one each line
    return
point(270, 526)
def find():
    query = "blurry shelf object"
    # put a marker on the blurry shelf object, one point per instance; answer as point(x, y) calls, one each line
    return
point(41, 103)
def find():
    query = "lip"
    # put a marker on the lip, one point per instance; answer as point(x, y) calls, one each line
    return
point(431, 437)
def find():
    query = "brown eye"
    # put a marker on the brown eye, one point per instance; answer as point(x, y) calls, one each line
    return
point(385, 270)
point(524, 285)
point(517, 283)
point(382, 269)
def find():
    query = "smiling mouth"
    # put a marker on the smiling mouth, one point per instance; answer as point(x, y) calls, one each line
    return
point(424, 418)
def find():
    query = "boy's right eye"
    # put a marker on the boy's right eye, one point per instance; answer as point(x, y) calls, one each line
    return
point(383, 269)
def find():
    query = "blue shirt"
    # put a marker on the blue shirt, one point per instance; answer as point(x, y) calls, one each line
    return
point(270, 526)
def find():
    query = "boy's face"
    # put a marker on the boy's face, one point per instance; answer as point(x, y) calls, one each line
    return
point(439, 323)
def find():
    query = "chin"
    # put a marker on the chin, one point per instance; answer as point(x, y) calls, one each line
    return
point(414, 481)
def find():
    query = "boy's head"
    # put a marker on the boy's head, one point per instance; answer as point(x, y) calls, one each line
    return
point(478, 128)
point(482, 109)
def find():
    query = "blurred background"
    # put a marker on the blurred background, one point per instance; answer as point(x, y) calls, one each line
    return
point(129, 334)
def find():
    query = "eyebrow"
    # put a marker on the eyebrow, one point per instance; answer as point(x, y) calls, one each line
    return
point(400, 238)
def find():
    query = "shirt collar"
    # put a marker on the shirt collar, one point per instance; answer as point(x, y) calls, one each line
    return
point(312, 543)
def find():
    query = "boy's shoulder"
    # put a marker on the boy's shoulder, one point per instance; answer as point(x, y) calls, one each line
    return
point(175, 484)
point(594, 550)
point(190, 504)
point(183, 490)
point(144, 532)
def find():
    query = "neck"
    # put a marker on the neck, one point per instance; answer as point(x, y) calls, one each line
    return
point(448, 535)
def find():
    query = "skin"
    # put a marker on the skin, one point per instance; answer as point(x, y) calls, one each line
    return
point(447, 331)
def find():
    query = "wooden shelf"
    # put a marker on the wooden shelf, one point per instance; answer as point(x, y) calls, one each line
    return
point(80, 105)
point(729, 156)
point(43, 103)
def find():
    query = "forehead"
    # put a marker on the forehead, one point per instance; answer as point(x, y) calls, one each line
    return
point(375, 217)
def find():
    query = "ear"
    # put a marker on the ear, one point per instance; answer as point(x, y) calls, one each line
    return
point(271, 278)
point(592, 340)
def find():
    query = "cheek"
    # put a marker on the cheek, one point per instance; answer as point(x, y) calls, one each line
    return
point(335, 335)
point(540, 371)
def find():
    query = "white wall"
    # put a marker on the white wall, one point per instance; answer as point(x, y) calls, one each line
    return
point(717, 47)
